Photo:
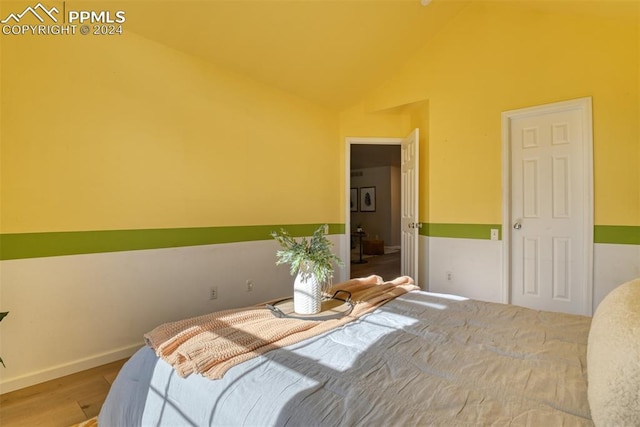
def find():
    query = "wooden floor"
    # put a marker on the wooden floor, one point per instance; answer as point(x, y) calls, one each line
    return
point(387, 266)
point(75, 398)
point(61, 402)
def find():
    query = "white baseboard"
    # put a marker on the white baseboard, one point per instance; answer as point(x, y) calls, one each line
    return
point(54, 372)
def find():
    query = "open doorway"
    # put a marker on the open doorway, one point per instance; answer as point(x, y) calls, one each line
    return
point(375, 202)
point(409, 200)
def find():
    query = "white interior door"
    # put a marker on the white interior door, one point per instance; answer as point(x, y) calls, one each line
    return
point(409, 206)
point(550, 220)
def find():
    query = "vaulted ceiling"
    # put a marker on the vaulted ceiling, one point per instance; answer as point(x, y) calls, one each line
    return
point(331, 52)
point(328, 51)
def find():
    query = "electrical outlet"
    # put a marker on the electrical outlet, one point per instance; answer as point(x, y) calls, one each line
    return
point(213, 292)
point(249, 285)
point(494, 234)
point(449, 276)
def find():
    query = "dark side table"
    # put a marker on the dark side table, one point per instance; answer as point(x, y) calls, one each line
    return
point(360, 235)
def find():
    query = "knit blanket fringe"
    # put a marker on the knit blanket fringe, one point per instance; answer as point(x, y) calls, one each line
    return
point(213, 343)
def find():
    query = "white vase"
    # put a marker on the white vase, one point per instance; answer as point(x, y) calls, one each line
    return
point(307, 292)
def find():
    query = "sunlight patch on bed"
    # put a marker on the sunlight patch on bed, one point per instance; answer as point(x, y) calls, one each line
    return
point(432, 305)
point(450, 297)
point(354, 345)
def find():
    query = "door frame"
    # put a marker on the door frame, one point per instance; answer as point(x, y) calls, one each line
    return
point(346, 246)
point(584, 105)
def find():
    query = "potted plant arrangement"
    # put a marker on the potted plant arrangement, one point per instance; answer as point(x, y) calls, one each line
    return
point(311, 261)
point(2, 316)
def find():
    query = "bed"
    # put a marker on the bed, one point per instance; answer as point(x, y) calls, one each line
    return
point(418, 358)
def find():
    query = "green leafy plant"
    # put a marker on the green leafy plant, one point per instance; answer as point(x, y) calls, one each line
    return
point(314, 252)
point(2, 316)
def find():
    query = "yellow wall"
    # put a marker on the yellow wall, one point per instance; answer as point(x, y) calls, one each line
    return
point(123, 133)
point(498, 56)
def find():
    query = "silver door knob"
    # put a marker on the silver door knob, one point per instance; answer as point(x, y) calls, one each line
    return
point(517, 226)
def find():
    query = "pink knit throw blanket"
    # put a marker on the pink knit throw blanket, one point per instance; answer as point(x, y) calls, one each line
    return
point(213, 343)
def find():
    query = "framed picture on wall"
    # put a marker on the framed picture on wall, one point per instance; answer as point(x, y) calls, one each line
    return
point(354, 200)
point(367, 199)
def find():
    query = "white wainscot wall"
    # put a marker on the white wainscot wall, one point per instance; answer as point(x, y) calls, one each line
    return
point(474, 267)
point(613, 265)
point(72, 313)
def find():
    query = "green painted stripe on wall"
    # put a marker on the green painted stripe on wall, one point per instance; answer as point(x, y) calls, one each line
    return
point(617, 234)
point(36, 245)
point(613, 234)
point(461, 231)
